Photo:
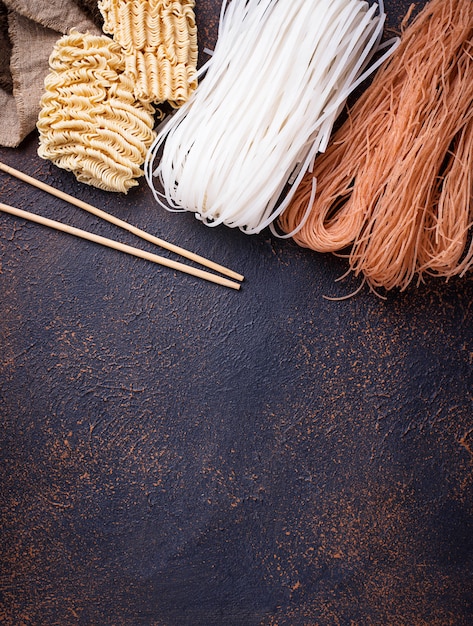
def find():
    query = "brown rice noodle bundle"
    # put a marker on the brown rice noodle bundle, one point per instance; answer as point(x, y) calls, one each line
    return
point(90, 122)
point(395, 183)
point(159, 40)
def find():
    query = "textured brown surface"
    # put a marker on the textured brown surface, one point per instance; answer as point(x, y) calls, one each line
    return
point(29, 29)
point(174, 453)
point(91, 8)
point(5, 51)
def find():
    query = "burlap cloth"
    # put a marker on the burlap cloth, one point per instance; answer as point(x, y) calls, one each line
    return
point(28, 31)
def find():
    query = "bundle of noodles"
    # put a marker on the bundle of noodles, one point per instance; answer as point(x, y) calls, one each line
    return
point(273, 87)
point(90, 123)
point(395, 184)
point(159, 41)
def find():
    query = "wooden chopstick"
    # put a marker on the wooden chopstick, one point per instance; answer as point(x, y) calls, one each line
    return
point(110, 243)
point(121, 223)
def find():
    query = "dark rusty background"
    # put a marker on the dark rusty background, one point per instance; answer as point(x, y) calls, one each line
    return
point(175, 453)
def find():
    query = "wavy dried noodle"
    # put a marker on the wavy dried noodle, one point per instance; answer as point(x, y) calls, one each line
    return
point(90, 122)
point(159, 39)
point(395, 183)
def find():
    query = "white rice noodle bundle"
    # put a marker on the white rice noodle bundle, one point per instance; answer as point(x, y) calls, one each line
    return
point(273, 88)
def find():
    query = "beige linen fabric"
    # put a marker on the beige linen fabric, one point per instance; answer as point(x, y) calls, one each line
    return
point(29, 30)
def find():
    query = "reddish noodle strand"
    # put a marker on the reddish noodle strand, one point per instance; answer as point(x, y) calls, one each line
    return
point(395, 184)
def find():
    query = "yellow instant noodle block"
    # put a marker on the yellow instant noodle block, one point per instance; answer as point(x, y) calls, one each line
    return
point(159, 39)
point(90, 122)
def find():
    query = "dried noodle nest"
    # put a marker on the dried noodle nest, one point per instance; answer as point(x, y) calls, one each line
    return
point(159, 40)
point(90, 122)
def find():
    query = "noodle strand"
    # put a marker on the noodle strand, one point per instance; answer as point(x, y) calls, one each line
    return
point(236, 152)
point(395, 184)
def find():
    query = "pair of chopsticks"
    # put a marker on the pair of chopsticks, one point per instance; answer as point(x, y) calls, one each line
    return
point(110, 243)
